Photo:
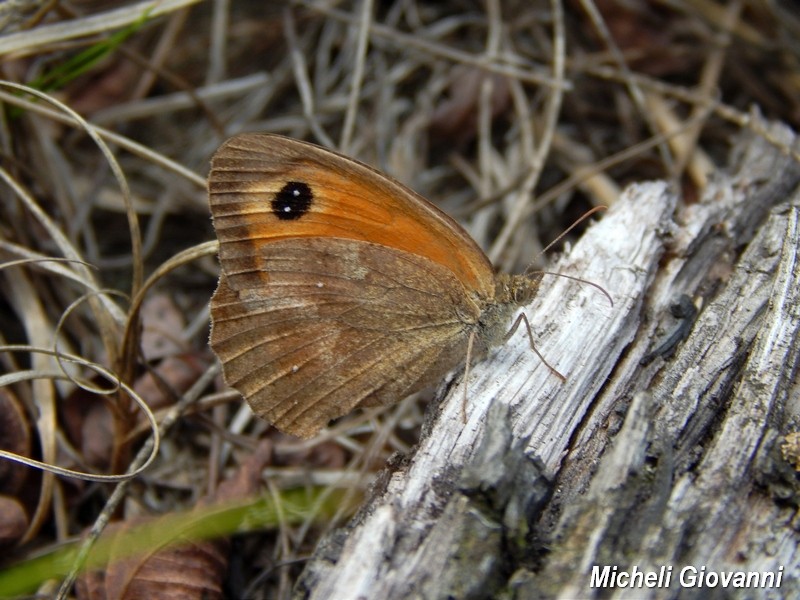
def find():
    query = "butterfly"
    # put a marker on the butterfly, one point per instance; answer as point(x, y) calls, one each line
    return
point(340, 287)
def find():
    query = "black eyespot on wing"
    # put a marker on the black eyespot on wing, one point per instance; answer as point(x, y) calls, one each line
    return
point(292, 201)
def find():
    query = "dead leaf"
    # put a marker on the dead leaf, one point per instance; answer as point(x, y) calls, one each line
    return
point(193, 570)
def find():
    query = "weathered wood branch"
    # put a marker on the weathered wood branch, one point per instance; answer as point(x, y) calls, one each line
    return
point(641, 458)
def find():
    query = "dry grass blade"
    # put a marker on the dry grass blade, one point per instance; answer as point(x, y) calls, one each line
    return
point(60, 373)
point(29, 42)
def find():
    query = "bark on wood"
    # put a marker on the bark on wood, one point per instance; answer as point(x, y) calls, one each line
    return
point(674, 462)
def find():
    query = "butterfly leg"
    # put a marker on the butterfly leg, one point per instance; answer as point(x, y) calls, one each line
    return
point(523, 318)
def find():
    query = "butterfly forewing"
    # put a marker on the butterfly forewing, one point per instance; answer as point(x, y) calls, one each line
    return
point(349, 200)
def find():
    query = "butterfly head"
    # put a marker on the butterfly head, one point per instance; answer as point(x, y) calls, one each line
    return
point(516, 289)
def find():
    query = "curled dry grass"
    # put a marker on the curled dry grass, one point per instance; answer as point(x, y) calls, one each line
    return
point(514, 116)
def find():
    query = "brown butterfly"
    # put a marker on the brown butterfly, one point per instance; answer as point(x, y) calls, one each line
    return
point(340, 287)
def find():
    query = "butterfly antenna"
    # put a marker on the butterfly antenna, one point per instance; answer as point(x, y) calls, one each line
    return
point(561, 235)
point(582, 218)
point(579, 280)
